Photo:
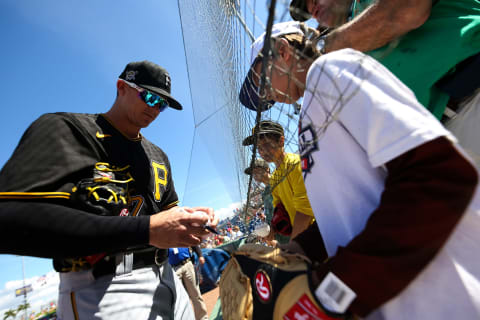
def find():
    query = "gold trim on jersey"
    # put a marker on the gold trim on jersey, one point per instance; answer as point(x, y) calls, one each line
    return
point(100, 135)
point(74, 305)
point(34, 195)
point(138, 138)
point(171, 205)
point(104, 166)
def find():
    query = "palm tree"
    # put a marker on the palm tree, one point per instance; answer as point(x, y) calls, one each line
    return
point(9, 314)
point(22, 307)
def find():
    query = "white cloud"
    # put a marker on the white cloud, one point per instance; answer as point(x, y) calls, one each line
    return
point(225, 213)
point(44, 291)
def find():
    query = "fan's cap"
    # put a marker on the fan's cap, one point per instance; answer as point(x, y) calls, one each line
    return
point(152, 77)
point(258, 163)
point(265, 126)
point(249, 95)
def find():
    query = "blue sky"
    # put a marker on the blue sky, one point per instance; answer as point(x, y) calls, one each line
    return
point(66, 56)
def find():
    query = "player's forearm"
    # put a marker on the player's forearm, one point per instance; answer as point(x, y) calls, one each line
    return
point(54, 231)
point(379, 24)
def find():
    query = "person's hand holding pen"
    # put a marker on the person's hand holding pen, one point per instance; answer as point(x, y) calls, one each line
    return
point(212, 220)
point(181, 226)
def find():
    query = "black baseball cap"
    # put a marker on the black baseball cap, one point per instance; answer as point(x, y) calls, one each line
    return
point(152, 77)
point(258, 163)
point(298, 10)
point(265, 126)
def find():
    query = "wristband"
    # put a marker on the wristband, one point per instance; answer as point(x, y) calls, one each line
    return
point(334, 294)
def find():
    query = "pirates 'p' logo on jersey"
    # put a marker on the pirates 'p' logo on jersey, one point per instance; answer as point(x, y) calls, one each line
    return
point(160, 179)
point(307, 138)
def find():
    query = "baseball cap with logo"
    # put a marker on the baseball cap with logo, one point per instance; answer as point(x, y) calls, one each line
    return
point(265, 126)
point(151, 77)
point(298, 10)
point(258, 163)
point(249, 93)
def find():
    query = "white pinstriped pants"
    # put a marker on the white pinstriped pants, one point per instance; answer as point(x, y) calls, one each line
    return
point(148, 293)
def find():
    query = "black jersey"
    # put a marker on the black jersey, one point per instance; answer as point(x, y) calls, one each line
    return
point(59, 149)
point(56, 152)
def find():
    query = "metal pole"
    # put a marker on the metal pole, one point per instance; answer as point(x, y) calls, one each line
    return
point(24, 289)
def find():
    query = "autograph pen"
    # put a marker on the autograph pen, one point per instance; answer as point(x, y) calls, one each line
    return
point(206, 226)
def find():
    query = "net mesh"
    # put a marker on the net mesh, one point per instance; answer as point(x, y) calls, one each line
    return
point(218, 36)
point(217, 39)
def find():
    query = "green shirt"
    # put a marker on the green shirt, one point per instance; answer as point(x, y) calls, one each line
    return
point(268, 203)
point(423, 56)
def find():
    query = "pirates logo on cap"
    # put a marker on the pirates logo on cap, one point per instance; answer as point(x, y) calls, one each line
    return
point(130, 75)
point(167, 80)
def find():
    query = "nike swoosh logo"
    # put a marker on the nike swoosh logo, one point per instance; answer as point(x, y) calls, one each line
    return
point(101, 135)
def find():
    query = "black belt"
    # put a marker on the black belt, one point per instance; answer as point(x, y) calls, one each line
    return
point(142, 258)
point(181, 263)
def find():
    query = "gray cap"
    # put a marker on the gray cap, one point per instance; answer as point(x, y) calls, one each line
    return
point(258, 163)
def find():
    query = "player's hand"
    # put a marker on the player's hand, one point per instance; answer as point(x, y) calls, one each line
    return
point(178, 227)
point(201, 260)
point(211, 215)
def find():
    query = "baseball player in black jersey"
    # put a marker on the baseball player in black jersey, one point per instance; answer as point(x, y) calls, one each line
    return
point(91, 192)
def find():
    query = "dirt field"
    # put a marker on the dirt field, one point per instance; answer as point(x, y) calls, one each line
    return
point(210, 299)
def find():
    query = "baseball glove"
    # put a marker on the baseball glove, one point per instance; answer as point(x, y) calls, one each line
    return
point(105, 193)
point(261, 282)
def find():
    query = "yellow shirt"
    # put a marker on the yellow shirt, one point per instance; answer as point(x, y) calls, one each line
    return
point(288, 187)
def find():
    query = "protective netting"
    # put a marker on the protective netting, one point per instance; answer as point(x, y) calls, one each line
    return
point(218, 36)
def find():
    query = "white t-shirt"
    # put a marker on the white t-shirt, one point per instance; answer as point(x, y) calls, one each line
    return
point(237, 234)
point(356, 116)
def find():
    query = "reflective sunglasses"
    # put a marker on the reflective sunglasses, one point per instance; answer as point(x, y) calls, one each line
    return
point(151, 99)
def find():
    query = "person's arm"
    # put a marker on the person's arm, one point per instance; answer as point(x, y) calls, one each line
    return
point(426, 194)
point(309, 243)
point(380, 23)
point(201, 259)
point(300, 224)
point(54, 231)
